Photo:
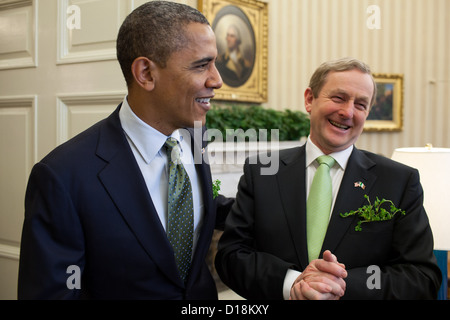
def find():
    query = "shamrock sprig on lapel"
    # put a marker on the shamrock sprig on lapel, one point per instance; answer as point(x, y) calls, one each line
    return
point(374, 212)
point(216, 188)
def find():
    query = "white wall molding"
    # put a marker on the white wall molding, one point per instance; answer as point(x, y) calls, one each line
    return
point(96, 106)
point(19, 141)
point(10, 252)
point(18, 34)
point(94, 39)
point(28, 105)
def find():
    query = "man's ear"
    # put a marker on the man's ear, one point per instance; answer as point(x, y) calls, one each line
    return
point(309, 97)
point(144, 70)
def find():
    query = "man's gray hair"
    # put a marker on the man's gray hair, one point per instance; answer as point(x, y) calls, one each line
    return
point(345, 64)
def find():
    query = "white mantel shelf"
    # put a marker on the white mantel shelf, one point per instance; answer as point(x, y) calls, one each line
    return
point(227, 159)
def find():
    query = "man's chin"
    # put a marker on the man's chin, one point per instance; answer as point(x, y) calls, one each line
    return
point(198, 123)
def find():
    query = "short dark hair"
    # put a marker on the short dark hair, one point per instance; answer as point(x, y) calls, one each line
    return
point(154, 30)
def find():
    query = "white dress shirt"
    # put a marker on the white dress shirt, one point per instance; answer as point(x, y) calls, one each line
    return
point(336, 173)
point(146, 143)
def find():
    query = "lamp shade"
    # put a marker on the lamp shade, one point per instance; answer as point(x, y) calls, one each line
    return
point(434, 169)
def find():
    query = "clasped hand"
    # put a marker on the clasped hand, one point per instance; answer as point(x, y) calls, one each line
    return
point(323, 279)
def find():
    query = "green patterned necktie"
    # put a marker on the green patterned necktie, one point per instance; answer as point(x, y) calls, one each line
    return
point(180, 227)
point(318, 206)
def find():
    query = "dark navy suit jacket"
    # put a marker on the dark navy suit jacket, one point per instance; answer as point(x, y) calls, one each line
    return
point(87, 205)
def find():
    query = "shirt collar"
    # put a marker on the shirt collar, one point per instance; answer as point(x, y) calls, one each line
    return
point(312, 152)
point(147, 140)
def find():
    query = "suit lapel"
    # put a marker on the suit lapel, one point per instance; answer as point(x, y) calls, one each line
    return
point(205, 183)
point(291, 184)
point(350, 197)
point(123, 180)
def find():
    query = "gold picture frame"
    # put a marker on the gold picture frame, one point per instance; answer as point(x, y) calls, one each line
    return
point(242, 24)
point(387, 112)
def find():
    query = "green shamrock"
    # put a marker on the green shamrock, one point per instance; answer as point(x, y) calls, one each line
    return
point(375, 212)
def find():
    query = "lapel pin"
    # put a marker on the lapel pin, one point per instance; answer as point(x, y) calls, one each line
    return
point(203, 150)
point(359, 184)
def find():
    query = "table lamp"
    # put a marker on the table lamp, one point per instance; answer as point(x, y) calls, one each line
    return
point(434, 169)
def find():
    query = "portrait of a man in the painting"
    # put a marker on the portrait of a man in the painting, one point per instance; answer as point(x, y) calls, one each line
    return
point(235, 45)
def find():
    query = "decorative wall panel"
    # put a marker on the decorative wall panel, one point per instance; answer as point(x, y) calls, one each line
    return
point(83, 35)
point(18, 145)
point(18, 21)
point(76, 113)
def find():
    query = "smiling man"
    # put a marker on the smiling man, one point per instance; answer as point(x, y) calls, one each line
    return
point(339, 108)
point(99, 216)
point(274, 246)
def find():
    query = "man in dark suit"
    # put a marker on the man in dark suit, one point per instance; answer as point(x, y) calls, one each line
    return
point(263, 253)
point(96, 207)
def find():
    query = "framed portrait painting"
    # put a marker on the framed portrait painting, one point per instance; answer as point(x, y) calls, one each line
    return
point(387, 112)
point(241, 33)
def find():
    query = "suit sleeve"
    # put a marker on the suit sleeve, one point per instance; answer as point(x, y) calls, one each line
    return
point(52, 240)
point(411, 271)
point(250, 272)
point(223, 207)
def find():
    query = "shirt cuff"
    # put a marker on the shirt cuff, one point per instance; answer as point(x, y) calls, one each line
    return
point(291, 276)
